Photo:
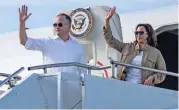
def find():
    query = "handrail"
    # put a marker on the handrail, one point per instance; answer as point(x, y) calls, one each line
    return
point(89, 67)
point(7, 75)
point(11, 76)
point(116, 63)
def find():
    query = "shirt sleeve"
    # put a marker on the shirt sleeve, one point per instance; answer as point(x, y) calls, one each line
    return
point(35, 44)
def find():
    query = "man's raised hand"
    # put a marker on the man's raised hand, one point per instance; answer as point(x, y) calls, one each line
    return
point(23, 14)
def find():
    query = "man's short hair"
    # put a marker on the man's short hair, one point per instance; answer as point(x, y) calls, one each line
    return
point(68, 18)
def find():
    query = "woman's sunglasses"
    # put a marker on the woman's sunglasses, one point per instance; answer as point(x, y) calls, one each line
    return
point(139, 32)
point(59, 25)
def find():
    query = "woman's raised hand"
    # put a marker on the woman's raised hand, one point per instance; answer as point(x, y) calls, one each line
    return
point(110, 13)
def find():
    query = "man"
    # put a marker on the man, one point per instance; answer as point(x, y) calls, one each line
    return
point(59, 49)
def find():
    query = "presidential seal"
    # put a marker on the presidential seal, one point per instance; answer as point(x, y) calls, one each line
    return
point(81, 22)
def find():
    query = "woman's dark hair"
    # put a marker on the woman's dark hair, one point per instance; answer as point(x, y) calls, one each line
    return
point(152, 39)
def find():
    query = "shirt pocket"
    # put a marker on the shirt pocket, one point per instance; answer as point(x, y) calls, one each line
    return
point(150, 63)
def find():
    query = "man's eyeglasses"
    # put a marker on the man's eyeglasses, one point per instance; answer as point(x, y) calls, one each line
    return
point(139, 32)
point(59, 25)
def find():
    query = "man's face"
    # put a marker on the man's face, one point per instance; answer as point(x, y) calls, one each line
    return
point(61, 25)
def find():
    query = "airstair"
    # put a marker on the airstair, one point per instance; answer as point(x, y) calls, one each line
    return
point(83, 91)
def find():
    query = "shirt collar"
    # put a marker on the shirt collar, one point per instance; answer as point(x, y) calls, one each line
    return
point(143, 47)
point(58, 38)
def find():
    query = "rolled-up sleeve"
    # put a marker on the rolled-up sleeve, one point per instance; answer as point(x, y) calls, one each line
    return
point(35, 44)
point(112, 41)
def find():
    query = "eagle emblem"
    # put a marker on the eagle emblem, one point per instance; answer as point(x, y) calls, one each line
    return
point(78, 23)
point(81, 22)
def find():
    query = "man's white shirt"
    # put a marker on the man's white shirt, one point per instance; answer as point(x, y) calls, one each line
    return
point(55, 50)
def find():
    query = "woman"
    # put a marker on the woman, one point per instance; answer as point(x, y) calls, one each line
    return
point(141, 52)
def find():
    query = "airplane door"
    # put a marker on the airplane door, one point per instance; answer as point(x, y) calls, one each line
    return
point(87, 28)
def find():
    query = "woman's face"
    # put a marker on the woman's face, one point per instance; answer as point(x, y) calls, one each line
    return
point(141, 34)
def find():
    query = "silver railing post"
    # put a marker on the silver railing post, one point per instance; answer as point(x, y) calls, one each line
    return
point(45, 70)
point(113, 69)
point(89, 71)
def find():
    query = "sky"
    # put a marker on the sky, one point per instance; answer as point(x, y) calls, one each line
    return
point(43, 11)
